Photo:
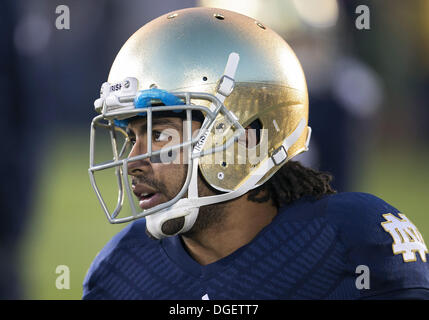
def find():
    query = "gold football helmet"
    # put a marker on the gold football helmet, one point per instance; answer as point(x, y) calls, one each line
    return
point(230, 68)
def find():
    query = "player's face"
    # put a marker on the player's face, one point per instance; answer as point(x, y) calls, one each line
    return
point(155, 181)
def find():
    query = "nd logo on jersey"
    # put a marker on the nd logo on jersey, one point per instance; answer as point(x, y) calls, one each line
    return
point(407, 240)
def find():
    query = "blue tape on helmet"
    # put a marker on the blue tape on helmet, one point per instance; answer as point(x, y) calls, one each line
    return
point(144, 98)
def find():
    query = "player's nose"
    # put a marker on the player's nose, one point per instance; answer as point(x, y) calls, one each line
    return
point(138, 167)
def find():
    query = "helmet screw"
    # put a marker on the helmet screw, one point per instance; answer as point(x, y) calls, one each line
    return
point(220, 175)
point(219, 16)
point(220, 126)
point(127, 84)
point(260, 25)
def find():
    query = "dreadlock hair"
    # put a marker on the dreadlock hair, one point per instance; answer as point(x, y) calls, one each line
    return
point(292, 182)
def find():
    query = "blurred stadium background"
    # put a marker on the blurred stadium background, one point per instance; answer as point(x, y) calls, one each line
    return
point(368, 109)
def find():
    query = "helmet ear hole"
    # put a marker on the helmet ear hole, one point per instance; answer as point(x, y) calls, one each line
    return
point(257, 126)
point(253, 134)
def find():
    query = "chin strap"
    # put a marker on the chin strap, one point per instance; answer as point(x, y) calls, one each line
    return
point(182, 208)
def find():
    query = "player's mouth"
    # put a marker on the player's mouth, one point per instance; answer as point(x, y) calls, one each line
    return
point(148, 198)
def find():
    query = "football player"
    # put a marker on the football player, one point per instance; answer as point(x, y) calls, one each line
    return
point(213, 107)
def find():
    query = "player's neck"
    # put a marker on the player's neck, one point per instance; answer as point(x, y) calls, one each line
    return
point(243, 221)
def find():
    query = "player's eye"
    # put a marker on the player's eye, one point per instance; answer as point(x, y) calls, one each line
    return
point(159, 136)
point(132, 140)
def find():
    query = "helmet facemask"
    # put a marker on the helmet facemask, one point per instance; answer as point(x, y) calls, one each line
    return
point(119, 103)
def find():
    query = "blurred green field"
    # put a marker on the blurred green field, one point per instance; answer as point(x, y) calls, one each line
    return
point(69, 228)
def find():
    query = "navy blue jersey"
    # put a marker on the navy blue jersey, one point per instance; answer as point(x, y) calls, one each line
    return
point(344, 246)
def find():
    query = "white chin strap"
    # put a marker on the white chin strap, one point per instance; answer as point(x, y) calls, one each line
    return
point(182, 208)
